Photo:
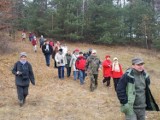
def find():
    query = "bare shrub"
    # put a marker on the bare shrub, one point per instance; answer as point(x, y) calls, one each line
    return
point(6, 44)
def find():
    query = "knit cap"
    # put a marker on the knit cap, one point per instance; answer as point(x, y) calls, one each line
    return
point(137, 61)
point(23, 54)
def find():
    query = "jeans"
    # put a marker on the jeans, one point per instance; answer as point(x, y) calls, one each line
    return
point(81, 76)
point(22, 92)
point(61, 72)
point(75, 75)
point(47, 57)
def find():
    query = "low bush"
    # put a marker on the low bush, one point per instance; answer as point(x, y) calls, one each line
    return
point(6, 44)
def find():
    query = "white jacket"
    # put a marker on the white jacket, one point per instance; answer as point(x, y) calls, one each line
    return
point(73, 61)
point(60, 59)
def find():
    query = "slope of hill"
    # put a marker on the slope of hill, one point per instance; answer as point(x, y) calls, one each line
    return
point(54, 99)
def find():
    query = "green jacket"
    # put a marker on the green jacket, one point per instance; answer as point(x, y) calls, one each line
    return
point(126, 93)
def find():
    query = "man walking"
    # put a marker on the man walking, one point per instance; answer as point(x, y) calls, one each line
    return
point(80, 65)
point(47, 51)
point(93, 65)
point(61, 62)
point(133, 92)
point(23, 75)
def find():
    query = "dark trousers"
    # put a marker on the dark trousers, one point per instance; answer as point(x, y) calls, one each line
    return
point(61, 72)
point(22, 92)
point(107, 79)
point(68, 71)
point(115, 80)
point(94, 79)
point(94, 83)
point(47, 57)
point(55, 64)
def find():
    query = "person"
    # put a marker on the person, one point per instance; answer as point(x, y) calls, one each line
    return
point(31, 35)
point(58, 45)
point(117, 71)
point(41, 41)
point(68, 59)
point(93, 65)
point(47, 51)
point(23, 76)
point(65, 48)
point(60, 61)
point(23, 36)
point(107, 64)
point(34, 43)
point(80, 65)
point(86, 55)
point(133, 92)
point(53, 56)
point(51, 43)
point(72, 63)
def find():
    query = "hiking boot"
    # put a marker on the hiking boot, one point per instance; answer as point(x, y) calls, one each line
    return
point(92, 87)
point(21, 103)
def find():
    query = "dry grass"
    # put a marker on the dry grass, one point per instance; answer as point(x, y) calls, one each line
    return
point(54, 99)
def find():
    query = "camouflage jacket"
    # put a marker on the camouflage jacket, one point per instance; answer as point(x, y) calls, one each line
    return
point(93, 63)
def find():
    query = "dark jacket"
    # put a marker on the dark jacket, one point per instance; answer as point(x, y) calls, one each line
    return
point(26, 74)
point(46, 52)
point(126, 90)
point(68, 59)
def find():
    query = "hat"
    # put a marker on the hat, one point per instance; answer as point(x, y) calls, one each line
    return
point(76, 50)
point(23, 54)
point(137, 61)
point(107, 56)
point(94, 51)
point(115, 58)
point(60, 49)
point(34, 37)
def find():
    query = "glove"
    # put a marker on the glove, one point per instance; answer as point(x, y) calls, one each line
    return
point(127, 109)
point(18, 73)
point(33, 83)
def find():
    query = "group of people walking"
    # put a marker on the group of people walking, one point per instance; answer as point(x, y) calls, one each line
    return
point(132, 87)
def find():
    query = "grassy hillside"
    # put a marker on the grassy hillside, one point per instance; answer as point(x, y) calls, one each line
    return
point(54, 99)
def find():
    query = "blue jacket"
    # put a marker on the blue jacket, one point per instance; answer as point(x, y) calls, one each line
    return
point(126, 91)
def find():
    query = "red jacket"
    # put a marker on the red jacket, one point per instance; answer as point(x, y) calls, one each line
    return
point(116, 74)
point(107, 68)
point(34, 42)
point(80, 63)
point(51, 43)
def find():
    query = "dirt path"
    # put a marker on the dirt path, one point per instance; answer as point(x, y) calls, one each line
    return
point(54, 99)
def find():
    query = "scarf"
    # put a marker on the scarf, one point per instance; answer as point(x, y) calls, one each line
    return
point(23, 61)
point(47, 47)
point(115, 66)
